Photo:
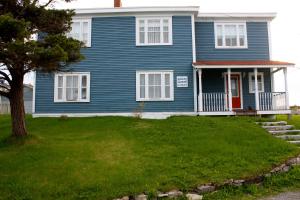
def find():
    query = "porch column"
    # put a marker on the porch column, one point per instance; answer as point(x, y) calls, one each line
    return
point(256, 90)
point(287, 103)
point(229, 88)
point(195, 89)
point(200, 97)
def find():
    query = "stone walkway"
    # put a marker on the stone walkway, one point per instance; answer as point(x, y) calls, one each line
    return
point(285, 196)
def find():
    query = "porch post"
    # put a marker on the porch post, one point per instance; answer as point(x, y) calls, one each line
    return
point(287, 103)
point(200, 97)
point(256, 90)
point(229, 88)
point(195, 89)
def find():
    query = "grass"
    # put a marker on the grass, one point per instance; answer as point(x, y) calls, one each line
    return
point(108, 157)
point(280, 183)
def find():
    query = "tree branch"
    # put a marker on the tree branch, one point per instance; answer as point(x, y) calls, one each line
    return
point(6, 77)
point(47, 4)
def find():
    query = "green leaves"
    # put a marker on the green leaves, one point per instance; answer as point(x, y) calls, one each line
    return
point(20, 20)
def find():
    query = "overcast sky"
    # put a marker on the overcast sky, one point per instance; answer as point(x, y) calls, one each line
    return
point(285, 28)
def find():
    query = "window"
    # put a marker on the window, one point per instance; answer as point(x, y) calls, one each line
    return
point(230, 35)
point(72, 87)
point(154, 86)
point(154, 31)
point(260, 81)
point(81, 30)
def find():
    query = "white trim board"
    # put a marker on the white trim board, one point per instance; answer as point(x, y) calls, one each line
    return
point(236, 16)
point(145, 115)
point(274, 112)
point(216, 113)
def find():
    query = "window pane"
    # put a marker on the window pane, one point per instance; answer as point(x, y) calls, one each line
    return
point(75, 81)
point(59, 93)
point(157, 79)
point(151, 79)
point(157, 92)
point(167, 79)
point(166, 37)
point(166, 31)
point(83, 93)
point(151, 92)
point(142, 92)
point(75, 33)
point(69, 95)
point(142, 37)
point(142, 79)
point(230, 35)
point(84, 81)
point(219, 36)
point(60, 81)
point(69, 81)
point(154, 31)
point(167, 92)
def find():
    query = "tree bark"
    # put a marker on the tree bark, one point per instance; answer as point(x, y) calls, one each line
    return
point(17, 109)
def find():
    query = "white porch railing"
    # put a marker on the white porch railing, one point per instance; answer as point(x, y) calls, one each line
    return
point(272, 101)
point(214, 102)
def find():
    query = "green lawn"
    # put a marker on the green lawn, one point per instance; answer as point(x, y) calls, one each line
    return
point(280, 183)
point(103, 158)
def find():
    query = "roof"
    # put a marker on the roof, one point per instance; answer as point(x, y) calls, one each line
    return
point(265, 16)
point(241, 64)
point(124, 10)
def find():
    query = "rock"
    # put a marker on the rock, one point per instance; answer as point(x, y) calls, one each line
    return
point(205, 189)
point(294, 161)
point(162, 195)
point(191, 196)
point(286, 169)
point(228, 182)
point(278, 169)
point(238, 182)
point(125, 198)
point(141, 197)
point(175, 194)
point(268, 175)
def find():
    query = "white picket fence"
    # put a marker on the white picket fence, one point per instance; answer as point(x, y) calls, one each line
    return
point(5, 107)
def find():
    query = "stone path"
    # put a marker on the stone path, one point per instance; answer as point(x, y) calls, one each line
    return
point(285, 196)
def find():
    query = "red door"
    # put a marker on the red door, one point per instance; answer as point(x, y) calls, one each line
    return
point(235, 90)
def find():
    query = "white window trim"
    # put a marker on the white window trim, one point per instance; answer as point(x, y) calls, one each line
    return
point(238, 41)
point(89, 21)
point(80, 74)
point(252, 90)
point(162, 72)
point(161, 18)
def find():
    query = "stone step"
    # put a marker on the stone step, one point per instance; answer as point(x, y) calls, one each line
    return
point(289, 137)
point(295, 142)
point(280, 123)
point(278, 128)
point(283, 132)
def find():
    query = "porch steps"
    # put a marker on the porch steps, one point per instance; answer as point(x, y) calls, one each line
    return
point(278, 128)
point(280, 123)
point(282, 130)
point(287, 132)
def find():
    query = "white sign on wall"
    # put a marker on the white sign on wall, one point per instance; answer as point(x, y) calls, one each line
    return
point(182, 81)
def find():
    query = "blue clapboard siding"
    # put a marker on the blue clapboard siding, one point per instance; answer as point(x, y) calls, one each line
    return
point(213, 81)
point(113, 60)
point(258, 46)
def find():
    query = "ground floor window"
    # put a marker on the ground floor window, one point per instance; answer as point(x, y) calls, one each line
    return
point(154, 86)
point(72, 87)
point(260, 81)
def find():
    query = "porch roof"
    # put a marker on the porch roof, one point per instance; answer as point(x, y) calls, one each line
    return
point(242, 64)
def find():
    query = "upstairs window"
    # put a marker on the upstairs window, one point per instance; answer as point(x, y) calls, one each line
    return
point(81, 30)
point(72, 87)
point(230, 35)
point(260, 82)
point(153, 31)
point(154, 86)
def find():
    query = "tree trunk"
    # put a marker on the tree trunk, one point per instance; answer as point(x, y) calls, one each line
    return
point(17, 109)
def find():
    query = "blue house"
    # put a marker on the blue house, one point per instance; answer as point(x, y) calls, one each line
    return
point(163, 61)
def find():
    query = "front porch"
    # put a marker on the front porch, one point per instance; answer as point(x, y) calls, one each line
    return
point(239, 88)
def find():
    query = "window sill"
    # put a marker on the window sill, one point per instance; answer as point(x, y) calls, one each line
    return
point(142, 45)
point(71, 101)
point(216, 47)
point(153, 100)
